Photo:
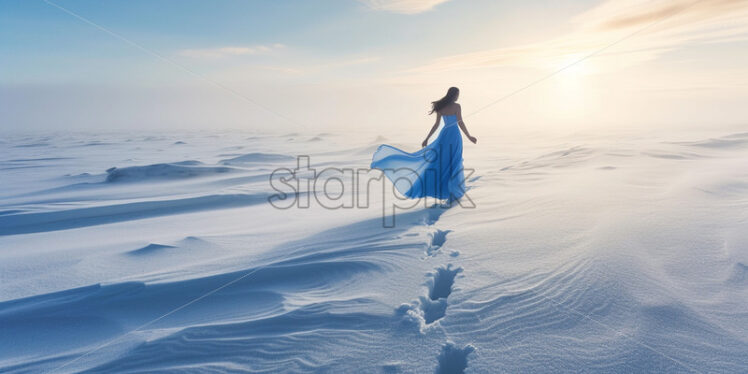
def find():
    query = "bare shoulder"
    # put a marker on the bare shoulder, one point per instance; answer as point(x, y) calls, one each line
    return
point(450, 109)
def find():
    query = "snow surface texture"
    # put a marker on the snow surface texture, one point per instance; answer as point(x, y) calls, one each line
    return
point(160, 252)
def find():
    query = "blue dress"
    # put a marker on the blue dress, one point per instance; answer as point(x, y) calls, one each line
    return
point(434, 171)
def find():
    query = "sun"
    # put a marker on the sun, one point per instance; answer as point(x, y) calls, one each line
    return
point(570, 86)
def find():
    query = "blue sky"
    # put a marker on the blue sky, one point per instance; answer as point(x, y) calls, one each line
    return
point(197, 64)
point(42, 43)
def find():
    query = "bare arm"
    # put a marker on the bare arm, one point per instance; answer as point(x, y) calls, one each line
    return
point(433, 128)
point(463, 127)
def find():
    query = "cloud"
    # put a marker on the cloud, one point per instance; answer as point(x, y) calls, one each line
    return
point(341, 63)
point(611, 15)
point(403, 6)
point(670, 25)
point(223, 52)
point(300, 67)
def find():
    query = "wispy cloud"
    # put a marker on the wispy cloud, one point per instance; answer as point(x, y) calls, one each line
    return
point(229, 51)
point(310, 68)
point(676, 23)
point(345, 63)
point(612, 15)
point(403, 6)
point(299, 68)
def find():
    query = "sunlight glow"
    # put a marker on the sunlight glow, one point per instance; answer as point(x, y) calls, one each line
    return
point(569, 87)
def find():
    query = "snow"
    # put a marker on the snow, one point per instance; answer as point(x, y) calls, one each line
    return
point(580, 253)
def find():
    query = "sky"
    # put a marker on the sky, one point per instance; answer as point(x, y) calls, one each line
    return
point(342, 65)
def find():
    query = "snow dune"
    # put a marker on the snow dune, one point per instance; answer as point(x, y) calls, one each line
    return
point(176, 170)
point(257, 157)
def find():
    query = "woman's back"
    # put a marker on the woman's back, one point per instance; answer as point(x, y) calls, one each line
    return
point(450, 110)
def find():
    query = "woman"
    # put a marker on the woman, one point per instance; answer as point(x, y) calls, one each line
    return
point(435, 170)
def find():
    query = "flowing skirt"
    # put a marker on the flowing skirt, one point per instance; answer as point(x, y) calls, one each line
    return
point(434, 171)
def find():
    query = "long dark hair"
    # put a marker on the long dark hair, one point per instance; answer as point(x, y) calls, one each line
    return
point(449, 98)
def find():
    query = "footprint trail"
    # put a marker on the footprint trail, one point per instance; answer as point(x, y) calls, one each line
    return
point(427, 310)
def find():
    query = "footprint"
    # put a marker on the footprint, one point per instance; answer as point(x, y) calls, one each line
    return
point(423, 312)
point(438, 239)
point(433, 307)
point(433, 310)
point(440, 286)
point(433, 213)
point(453, 360)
